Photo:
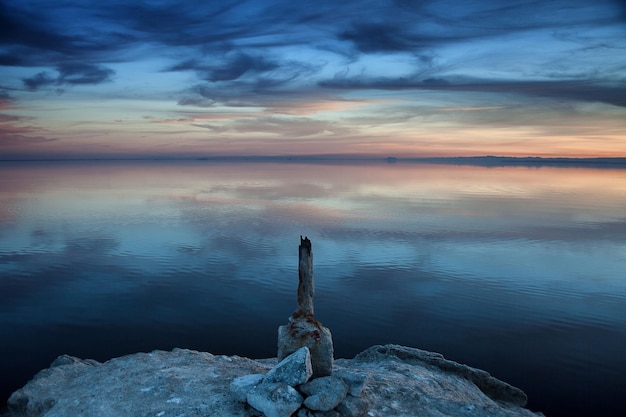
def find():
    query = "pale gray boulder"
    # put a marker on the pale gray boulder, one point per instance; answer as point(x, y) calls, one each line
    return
point(324, 393)
point(354, 380)
point(294, 370)
point(241, 386)
point(275, 399)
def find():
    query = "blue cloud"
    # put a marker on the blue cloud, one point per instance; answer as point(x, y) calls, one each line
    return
point(70, 74)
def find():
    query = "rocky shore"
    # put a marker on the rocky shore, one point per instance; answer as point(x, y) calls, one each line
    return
point(398, 381)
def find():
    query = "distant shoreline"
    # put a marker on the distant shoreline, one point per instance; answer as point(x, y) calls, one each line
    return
point(484, 161)
point(502, 161)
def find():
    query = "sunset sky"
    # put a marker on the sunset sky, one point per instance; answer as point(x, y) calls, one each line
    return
point(121, 78)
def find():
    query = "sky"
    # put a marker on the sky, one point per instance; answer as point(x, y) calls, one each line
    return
point(402, 78)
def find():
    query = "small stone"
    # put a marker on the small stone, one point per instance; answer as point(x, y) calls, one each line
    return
point(353, 406)
point(305, 412)
point(240, 386)
point(275, 399)
point(324, 393)
point(355, 380)
point(294, 370)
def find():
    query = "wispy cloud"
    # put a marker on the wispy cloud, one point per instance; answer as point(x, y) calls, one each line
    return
point(17, 131)
point(5, 100)
point(281, 126)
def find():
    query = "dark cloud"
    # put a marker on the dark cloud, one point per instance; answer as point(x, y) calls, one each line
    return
point(39, 80)
point(435, 81)
point(52, 33)
point(13, 140)
point(49, 35)
point(27, 29)
point(72, 30)
point(200, 32)
point(559, 90)
point(413, 26)
point(84, 74)
point(196, 102)
point(232, 67)
point(173, 23)
point(378, 37)
point(248, 81)
point(187, 65)
point(239, 65)
point(11, 60)
point(71, 74)
point(590, 91)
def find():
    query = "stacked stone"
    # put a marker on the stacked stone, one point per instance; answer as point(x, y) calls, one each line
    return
point(303, 384)
point(288, 390)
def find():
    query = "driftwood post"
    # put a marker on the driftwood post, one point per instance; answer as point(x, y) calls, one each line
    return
point(302, 328)
point(306, 287)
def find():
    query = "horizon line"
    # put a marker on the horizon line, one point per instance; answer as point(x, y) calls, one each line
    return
point(331, 157)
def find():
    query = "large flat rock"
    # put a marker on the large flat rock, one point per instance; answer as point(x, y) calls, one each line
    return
point(402, 382)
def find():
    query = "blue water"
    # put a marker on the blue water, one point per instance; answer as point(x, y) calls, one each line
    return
point(518, 271)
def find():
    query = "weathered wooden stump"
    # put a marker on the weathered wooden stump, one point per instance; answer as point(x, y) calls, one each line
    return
point(306, 286)
point(302, 328)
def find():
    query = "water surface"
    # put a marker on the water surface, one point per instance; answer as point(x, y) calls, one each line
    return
point(515, 270)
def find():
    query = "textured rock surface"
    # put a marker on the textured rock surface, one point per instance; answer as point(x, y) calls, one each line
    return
point(355, 380)
point(402, 382)
point(294, 370)
point(241, 386)
point(275, 399)
point(353, 406)
point(164, 384)
point(324, 393)
point(492, 387)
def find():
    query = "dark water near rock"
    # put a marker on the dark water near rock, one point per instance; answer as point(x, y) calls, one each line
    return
point(518, 271)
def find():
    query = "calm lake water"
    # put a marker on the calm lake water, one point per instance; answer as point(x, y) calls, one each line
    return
point(518, 271)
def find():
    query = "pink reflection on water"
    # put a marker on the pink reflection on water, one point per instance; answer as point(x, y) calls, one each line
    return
point(318, 190)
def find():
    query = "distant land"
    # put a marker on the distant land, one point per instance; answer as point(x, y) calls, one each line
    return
point(529, 161)
point(484, 161)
